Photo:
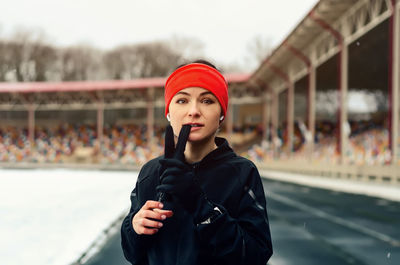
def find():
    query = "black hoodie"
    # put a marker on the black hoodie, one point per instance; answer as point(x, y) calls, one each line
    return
point(240, 235)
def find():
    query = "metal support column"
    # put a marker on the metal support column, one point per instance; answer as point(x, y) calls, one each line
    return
point(31, 124)
point(265, 110)
point(311, 95)
point(342, 84)
point(394, 76)
point(290, 106)
point(290, 118)
point(312, 86)
point(266, 116)
point(343, 117)
point(150, 116)
point(274, 121)
point(229, 121)
point(100, 123)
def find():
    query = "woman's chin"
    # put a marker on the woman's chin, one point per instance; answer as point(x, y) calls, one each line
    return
point(195, 138)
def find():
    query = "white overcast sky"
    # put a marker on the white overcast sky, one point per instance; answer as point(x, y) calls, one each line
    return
point(224, 26)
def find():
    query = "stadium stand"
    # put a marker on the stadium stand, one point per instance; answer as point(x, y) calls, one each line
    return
point(69, 143)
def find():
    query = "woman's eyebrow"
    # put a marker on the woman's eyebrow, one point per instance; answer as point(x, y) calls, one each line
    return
point(182, 92)
point(206, 93)
point(201, 94)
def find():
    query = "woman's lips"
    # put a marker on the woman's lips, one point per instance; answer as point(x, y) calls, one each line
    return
point(195, 129)
point(195, 126)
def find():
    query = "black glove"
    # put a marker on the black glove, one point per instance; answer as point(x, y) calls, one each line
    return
point(177, 179)
point(170, 152)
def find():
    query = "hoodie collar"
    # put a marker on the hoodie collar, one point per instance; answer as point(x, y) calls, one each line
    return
point(222, 152)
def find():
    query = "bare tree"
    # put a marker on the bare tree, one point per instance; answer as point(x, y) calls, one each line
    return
point(44, 58)
point(141, 60)
point(80, 63)
point(25, 56)
point(156, 59)
point(120, 63)
point(258, 49)
point(6, 65)
point(16, 59)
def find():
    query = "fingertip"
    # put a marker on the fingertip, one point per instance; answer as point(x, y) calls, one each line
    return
point(168, 214)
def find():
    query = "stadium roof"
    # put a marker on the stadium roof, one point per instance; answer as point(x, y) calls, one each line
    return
point(76, 86)
point(301, 37)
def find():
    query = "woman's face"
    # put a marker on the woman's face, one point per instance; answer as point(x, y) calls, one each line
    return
point(196, 106)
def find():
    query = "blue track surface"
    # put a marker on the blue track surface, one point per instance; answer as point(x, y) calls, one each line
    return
point(317, 226)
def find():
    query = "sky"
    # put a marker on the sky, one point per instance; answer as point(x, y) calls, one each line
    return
point(225, 27)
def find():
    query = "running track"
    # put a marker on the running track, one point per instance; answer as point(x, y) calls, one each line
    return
point(316, 226)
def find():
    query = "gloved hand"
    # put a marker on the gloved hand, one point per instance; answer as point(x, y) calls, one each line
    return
point(171, 152)
point(177, 179)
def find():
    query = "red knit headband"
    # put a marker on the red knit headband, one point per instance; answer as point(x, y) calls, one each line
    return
point(197, 75)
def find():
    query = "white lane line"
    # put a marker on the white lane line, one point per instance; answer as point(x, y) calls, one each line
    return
point(335, 219)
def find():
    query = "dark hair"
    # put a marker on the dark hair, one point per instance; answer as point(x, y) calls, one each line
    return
point(202, 61)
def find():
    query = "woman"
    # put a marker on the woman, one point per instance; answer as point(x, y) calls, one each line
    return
point(201, 204)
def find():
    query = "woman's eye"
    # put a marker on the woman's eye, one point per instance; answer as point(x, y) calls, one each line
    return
point(207, 101)
point(181, 101)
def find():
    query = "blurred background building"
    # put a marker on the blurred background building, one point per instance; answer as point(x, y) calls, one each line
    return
point(326, 98)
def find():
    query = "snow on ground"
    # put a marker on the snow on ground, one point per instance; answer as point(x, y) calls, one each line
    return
point(49, 217)
point(381, 190)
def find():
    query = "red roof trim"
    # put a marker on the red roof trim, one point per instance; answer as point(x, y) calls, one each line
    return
point(75, 86)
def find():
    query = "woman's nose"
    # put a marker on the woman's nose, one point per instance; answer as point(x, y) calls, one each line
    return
point(194, 109)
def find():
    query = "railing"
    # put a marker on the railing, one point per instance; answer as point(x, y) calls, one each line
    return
point(389, 174)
